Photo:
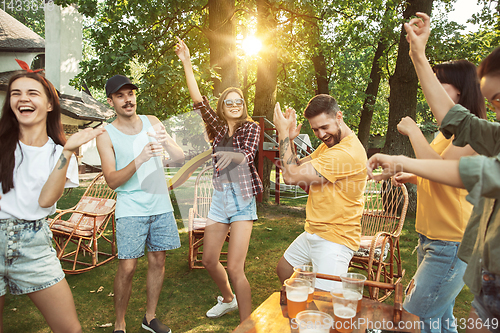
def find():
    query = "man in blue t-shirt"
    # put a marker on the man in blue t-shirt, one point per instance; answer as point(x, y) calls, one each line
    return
point(131, 153)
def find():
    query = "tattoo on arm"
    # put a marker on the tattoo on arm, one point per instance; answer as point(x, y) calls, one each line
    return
point(63, 161)
point(292, 160)
point(283, 148)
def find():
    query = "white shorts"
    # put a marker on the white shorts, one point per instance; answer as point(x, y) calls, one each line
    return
point(327, 257)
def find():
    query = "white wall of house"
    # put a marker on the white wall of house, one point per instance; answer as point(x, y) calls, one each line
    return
point(8, 62)
point(63, 47)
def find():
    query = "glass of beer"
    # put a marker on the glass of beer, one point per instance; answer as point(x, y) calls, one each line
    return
point(306, 272)
point(344, 318)
point(353, 284)
point(344, 309)
point(312, 321)
point(297, 291)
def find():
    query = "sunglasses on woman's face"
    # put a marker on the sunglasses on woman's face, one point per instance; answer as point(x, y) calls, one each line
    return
point(234, 102)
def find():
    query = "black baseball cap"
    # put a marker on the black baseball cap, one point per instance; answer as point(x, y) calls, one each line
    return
point(116, 83)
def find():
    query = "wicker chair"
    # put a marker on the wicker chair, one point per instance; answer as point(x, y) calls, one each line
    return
point(383, 218)
point(82, 231)
point(203, 190)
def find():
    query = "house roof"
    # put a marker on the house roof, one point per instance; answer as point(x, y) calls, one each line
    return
point(85, 108)
point(16, 37)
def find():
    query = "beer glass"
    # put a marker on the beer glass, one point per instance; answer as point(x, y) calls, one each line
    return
point(344, 309)
point(311, 321)
point(306, 272)
point(353, 284)
point(297, 291)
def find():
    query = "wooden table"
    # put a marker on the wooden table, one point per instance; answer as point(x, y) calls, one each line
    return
point(271, 317)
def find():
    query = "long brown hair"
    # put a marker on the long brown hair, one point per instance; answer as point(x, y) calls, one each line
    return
point(220, 113)
point(10, 132)
point(462, 74)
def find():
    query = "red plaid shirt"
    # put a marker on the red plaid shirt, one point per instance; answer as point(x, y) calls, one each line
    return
point(245, 141)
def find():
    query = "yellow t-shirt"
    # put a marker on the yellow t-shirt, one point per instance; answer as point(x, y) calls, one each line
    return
point(442, 211)
point(334, 210)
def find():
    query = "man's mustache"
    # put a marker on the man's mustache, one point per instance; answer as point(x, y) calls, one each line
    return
point(127, 105)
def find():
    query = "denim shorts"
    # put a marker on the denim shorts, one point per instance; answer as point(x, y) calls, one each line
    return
point(487, 304)
point(158, 232)
point(28, 262)
point(229, 205)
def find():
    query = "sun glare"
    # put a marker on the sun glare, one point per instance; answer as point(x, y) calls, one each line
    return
point(251, 45)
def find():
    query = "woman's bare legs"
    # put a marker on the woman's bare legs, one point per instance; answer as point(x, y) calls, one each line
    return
point(213, 240)
point(237, 253)
point(57, 306)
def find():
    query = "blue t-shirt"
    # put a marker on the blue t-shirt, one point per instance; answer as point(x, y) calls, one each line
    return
point(146, 192)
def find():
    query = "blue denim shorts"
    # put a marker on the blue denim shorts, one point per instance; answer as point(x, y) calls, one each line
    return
point(229, 205)
point(28, 262)
point(487, 304)
point(158, 232)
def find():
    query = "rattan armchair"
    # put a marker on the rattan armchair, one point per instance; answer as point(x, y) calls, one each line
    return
point(84, 235)
point(381, 224)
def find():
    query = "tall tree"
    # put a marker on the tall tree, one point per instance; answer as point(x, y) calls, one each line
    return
point(403, 94)
point(265, 88)
point(404, 85)
point(371, 91)
point(222, 40)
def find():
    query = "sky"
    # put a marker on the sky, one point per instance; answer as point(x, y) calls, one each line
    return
point(463, 11)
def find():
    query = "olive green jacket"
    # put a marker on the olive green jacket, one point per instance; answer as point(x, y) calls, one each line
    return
point(480, 247)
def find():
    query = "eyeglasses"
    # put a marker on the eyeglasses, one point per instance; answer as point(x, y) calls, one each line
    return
point(234, 102)
point(494, 103)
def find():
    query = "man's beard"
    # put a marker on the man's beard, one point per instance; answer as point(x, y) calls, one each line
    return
point(336, 138)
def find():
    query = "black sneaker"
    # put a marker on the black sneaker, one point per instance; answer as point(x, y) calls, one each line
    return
point(155, 326)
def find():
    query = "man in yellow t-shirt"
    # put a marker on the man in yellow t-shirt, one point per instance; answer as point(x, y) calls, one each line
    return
point(336, 176)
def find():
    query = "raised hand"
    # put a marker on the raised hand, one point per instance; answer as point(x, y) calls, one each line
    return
point(418, 31)
point(182, 50)
point(294, 130)
point(79, 138)
point(407, 125)
point(282, 123)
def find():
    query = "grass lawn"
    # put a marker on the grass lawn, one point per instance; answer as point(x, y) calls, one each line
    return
point(187, 295)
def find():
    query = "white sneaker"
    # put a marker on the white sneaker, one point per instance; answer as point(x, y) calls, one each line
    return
point(222, 308)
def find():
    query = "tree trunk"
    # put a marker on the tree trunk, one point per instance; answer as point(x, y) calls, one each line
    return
point(371, 94)
point(403, 96)
point(222, 42)
point(265, 87)
point(321, 73)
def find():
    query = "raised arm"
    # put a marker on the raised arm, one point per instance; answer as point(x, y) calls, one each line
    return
point(182, 52)
point(294, 171)
point(54, 186)
point(418, 31)
point(423, 149)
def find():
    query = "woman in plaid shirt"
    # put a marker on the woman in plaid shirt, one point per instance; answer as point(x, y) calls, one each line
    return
point(235, 139)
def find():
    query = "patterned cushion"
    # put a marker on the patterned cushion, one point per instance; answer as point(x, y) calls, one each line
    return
point(86, 226)
point(364, 248)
